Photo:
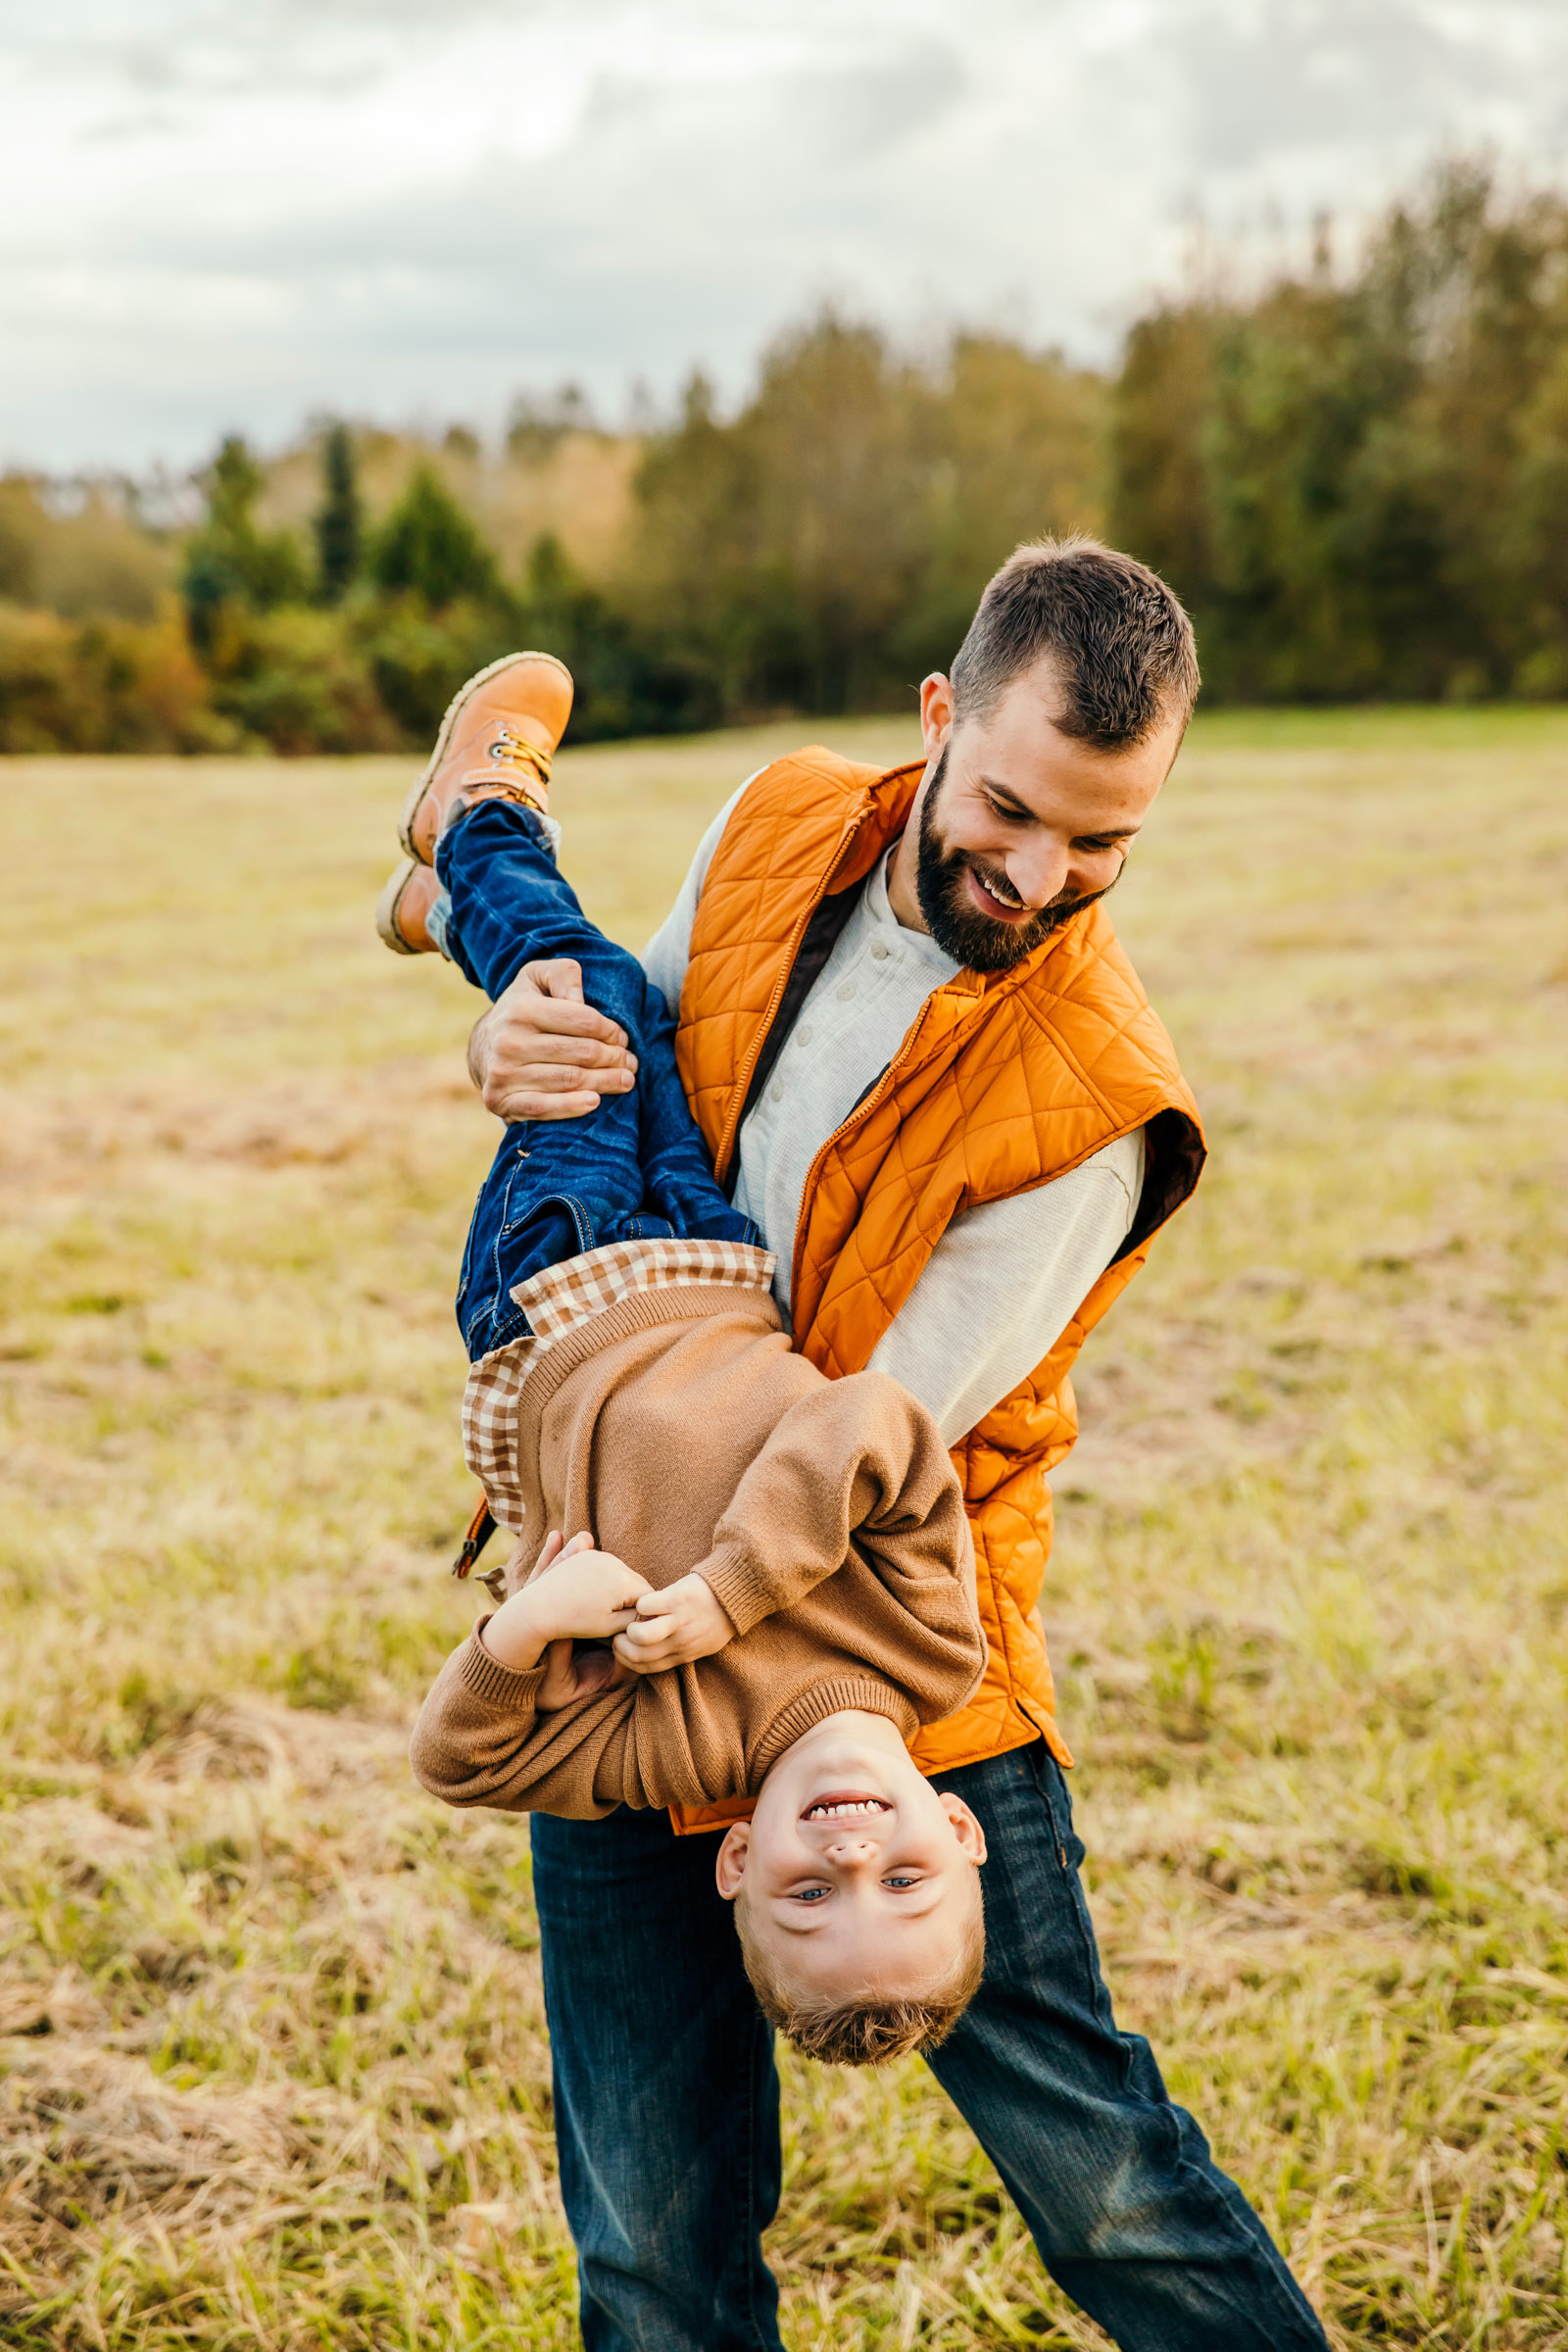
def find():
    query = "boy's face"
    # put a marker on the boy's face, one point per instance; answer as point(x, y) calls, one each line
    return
point(857, 1875)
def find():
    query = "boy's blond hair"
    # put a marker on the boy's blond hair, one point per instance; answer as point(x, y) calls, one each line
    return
point(870, 2030)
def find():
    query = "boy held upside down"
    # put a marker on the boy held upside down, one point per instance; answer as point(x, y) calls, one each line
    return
point(780, 1563)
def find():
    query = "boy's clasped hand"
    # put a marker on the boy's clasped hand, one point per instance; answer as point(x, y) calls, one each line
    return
point(572, 1594)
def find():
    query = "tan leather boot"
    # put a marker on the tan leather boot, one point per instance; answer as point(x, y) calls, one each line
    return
point(497, 741)
point(404, 905)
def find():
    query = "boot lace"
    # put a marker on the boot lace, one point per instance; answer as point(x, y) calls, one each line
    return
point(519, 770)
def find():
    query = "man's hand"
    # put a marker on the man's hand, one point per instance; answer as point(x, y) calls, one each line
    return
point(540, 1052)
point(573, 1593)
point(673, 1627)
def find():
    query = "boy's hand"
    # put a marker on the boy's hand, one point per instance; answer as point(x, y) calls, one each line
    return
point(573, 1591)
point(519, 1570)
point(673, 1627)
point(574, 1670)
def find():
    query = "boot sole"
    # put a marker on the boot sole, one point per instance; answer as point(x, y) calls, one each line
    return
point(453, 710)
point(386, 908)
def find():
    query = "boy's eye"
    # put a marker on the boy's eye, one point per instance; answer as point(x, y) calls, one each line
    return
point(902, 1879)
point(808, 1894)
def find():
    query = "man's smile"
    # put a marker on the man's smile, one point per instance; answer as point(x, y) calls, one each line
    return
point(988, 895)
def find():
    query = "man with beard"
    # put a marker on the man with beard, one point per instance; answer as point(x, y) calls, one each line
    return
point(924, 1066)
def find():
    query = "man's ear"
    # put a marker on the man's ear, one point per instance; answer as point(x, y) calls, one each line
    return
point(936, 712)
point(967, 1830)
point(729, 1867)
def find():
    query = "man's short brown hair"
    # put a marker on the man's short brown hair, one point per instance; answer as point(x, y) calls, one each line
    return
point(1119, 644)
point(869, 2031)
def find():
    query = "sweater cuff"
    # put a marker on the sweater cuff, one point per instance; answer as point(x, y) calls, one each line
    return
point(496, 1684)
point(738, 1584)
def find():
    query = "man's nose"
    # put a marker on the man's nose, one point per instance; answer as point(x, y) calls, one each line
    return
point(1038, 872)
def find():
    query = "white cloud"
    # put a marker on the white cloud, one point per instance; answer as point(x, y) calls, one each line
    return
point(212, 216)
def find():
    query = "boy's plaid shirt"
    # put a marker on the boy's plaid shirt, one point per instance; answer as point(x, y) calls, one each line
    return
point(555, 1302)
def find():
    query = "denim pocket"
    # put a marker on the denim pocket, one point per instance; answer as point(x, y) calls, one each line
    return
point(562, 1204)
point(1052, 1786)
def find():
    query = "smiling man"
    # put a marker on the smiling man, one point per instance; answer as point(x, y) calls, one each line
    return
point(924, 1066)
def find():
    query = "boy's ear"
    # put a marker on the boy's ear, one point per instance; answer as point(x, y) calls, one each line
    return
point(967, 1830)
point(729, 1867)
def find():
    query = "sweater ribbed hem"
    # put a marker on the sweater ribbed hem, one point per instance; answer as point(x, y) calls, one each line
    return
point(815, 1706)
point(497, 1684)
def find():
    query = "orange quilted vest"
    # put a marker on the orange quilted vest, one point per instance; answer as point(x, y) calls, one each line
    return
point(1006, 1081)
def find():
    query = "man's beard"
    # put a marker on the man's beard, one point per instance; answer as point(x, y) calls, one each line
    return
point(974, 940)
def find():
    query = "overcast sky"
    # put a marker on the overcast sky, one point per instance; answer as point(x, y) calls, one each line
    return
point(216, 216)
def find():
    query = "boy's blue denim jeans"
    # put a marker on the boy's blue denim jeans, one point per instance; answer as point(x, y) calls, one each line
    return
point(635, 1170)
point(667, 2098)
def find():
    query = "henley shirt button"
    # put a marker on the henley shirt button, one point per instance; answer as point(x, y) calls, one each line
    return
point(802, 1037)
point(879, 949)
point(846, 990)
point(775, 1093)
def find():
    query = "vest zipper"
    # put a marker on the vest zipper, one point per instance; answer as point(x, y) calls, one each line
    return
point(728, 1140)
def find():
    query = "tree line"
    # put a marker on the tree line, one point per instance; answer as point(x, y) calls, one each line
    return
point(1360, 486)
point(1357, 478)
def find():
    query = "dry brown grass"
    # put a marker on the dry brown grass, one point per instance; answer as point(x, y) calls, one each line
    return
point(273, 2071)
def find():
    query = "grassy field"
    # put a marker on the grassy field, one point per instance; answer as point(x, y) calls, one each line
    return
point(273, 2072)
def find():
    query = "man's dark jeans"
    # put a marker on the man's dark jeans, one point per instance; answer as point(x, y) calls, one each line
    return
point(667, 2099)
point(636, 1168)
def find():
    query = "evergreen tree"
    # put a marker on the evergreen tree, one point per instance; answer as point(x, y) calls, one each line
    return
point(230, 560)
point(339, 520)
point(234, 487)
point(429, 548)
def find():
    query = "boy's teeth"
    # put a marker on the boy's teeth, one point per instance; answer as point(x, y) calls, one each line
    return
point(864, 1805)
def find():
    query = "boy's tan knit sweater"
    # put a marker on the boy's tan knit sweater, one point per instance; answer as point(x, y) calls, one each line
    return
point(679, 1429)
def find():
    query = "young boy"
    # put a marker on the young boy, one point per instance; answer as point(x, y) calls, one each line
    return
point(781, 1562)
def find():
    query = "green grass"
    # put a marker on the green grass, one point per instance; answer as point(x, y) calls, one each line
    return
point(272, 2068)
